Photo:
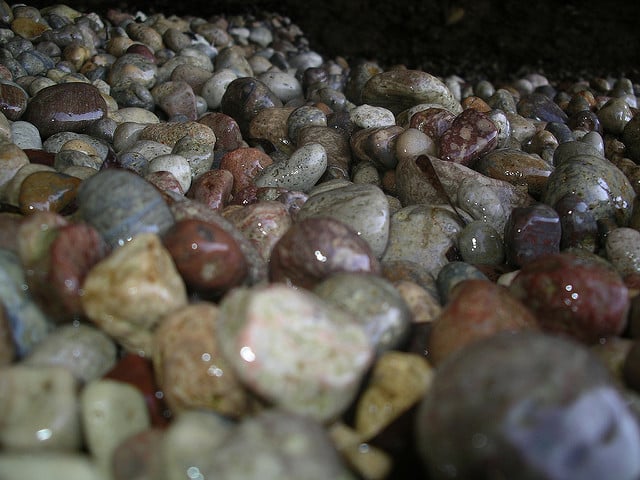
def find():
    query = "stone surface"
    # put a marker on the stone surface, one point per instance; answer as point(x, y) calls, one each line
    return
point(530, 233)
point(300, 171)
point(299, 353)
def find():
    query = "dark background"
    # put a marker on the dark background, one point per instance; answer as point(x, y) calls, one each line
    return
point(475, 39)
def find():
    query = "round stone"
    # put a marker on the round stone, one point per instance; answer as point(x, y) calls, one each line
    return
point(480, 243)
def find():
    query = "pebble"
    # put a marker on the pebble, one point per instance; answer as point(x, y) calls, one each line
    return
point(622, 248)
point(480, 243)
point(47, 190)
point(177, 165)
point(303, 375)
point(398, 90)
point(111, 412)
point(367, 116)
point(364, 208)
point(270, 126)
point(12, 159)
point(574, 295)
point(452, 274)
point(614, 116)
point(538, 106)
point(477, 309)
point(170, 133)
point(225, 129)
point(13, 100)
point(374, 303)
point(176, 99)
point(302, 117)
point(460, 423)
point(134, 457)
point(65, 107)
point(120, 205)
point(377, 145)
point(471, 135)
point(284, 86)
point(263, 223)
point(39, 409)
point(300, 171)
point(215, 87)
point(530, 233)
point(208, 258)
point(213, 188)
point(85, 351)
point(190, 367)
point(411, 143)
point(313, 249)
point(410, 226)
point(127, 293)
point(336, 146)
point(245, 164)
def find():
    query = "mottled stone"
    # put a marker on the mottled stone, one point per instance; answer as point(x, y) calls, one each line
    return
point(39, 409)
point(432, 121)
point(375, 304)
point(471, 135)
point(190, 367)
point(302, 117)
point(423, 234)
point(263, 223)
point(377, 145)
point(530, 233)
point(245, 164)
point(13, 100)
point(285, 86)
point(299, 353)
point(12, 159)
point(398, 90)
point(177, 165)
point(516, 167)
point(622, 248)
point(300, 171)
point(83, 350)
point(111, 412)
point(270, 125)
point(120, 205)
point(490, 407)
point(128, 292)
point(65, 107)
point(574, 295)
point(47, 190)
point(314, 248)
point(132, 69)
point(206, 256)
point(336, 145)
point(363, 207)
point(480, 243)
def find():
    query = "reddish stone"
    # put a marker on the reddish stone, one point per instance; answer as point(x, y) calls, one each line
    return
point(13, 100)
point(56, 279)
point(213, 188)
point(207, 257)
point(226, 129)
point(164, 181)
point(432, 121)
point(244, 164)
point(41, 157)
point(138, 371)
point(476, 309)
point(530, 233)
point(139, 456)
point(143, 50)
point(578, 296)
point(314, 248)
point(471, 135)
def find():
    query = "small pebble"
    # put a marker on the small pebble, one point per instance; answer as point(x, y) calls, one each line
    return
point(530, 233)
point(622, 248)
point(480, 243)
point(300, 171)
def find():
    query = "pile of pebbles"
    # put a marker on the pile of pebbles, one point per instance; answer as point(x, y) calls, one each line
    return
point(225, 256)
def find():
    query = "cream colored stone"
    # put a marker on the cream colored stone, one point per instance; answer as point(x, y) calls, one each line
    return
point(128, 292)
point(424, 307)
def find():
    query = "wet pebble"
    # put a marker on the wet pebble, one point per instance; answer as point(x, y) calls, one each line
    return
point(367, 116)
point(480, 243)
point(213, 188)
point(283, 361)
point(336, 146)
point(176, 99)
point(530, 233)
point(377, 145)
point(578, 224)
point(622, 248)
point(538, 106)
point(225, 129)
point(13, 100)
point(12, 159)
point(245, 164)
point(471, 135)
point(177, 165)
point(47, 190)
point(452, 274)
point(300, 171)
point(304, 116)
point(128, 292)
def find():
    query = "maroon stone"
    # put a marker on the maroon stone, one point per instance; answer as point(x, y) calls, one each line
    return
point(41, 157)
point(314, 248)
point(433, 121)
point(56, 279)
point(579, 226)
point(226, 129)
point(164, 181)
point(208, 258)
point(213, 188)
point(65, 107)
point(530, 233)
point(244, 98)
point(13, 100)
point(579, 296)
point(143, 50)
point(471, 135)
point(138, 371)
point(244, 164)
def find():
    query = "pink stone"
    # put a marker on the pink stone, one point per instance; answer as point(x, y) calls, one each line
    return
point(471, 135)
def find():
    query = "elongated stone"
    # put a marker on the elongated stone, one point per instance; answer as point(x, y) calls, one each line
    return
point(300, 171)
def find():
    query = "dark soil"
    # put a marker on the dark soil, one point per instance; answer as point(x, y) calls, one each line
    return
point(493, 39)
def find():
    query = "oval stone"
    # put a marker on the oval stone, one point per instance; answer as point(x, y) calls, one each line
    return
point(64, 107)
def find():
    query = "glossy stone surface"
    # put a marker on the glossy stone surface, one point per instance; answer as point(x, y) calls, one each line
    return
point(300, 171)
point(120, 205)
point(509, 394)
point(314, 248)
point(65, 107)
point(206, 256)
point(530, 233)
point(579, 226)
point(245, 164)
point(471, 135)
point(296, 351)
point(577, 296)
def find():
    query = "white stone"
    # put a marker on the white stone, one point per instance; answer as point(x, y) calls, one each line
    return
point(175, 164)
point(214, 88)
point(300, 171)
point(367, 116)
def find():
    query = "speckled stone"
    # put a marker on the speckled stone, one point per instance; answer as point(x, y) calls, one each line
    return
point(132, 69)
point(190, 367)
point(270, 335)
point(336, 145)
point(245, 164)
point(471, 135)
point(314, 248)
point(13, 100)
point(169, 133)
point(622, 248)
point(531, 232)
point(480, 243)
point(363, 207)
point(398, 90)
point(489, 407)
point(176, 98)
point(300, 171)
point(65, 107)
point(270, 125)
point(375, 304)
point(88, 353)
point(39, 409)
point(128, 292)
point(120, 204)
point(574, 295)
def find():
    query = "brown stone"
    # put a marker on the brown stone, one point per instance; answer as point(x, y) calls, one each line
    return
point(47, 191)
